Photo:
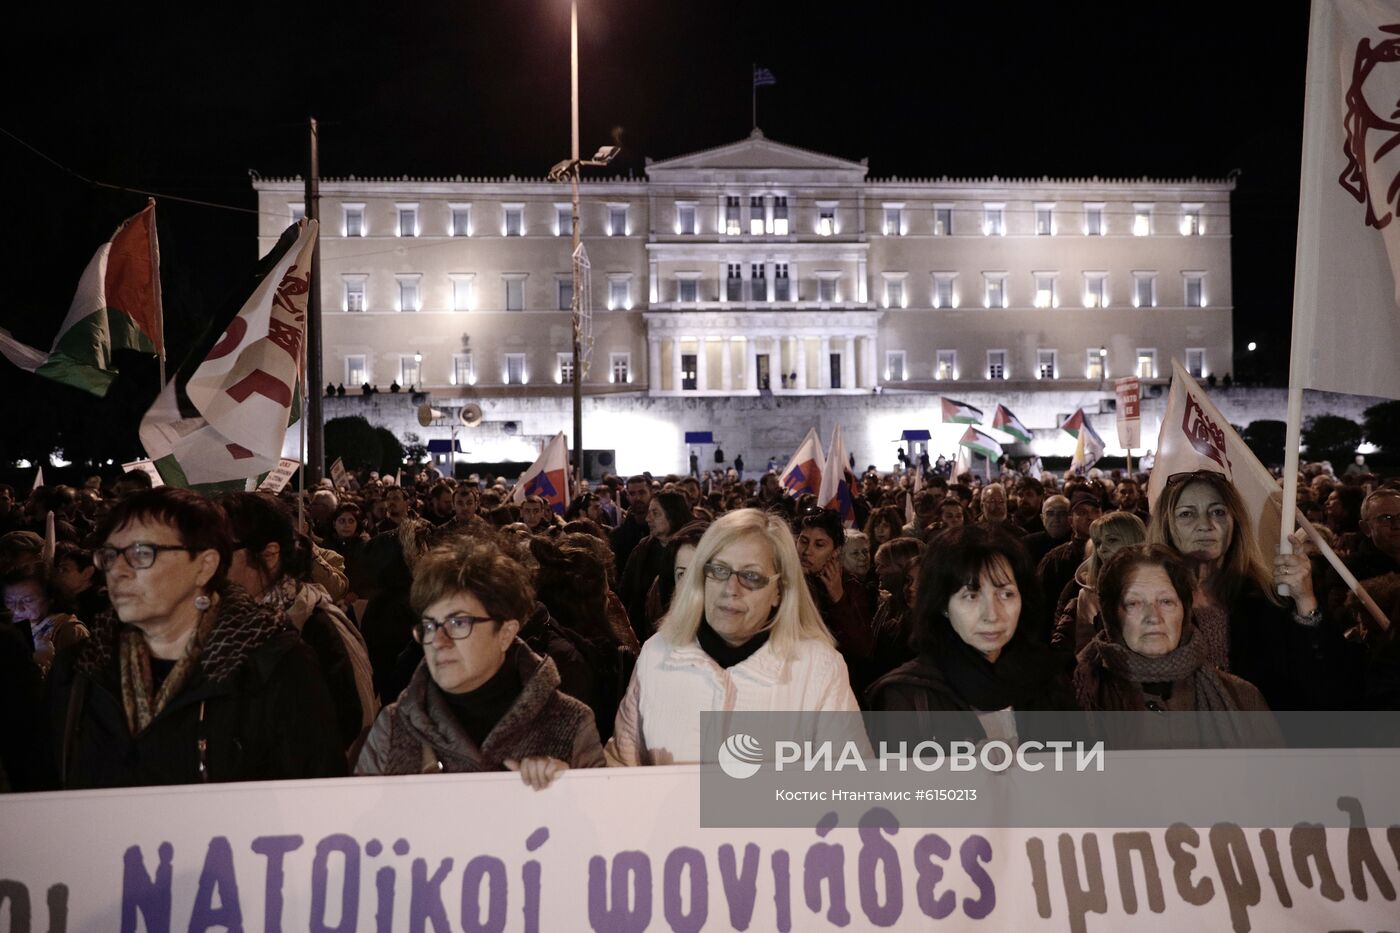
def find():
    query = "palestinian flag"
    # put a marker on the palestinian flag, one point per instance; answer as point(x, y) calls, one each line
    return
point(960, 412)
point(1008, 423)
point(224, 417)
point(1074, 423)
point(117, 307)
point(979, 443)
point(1088, 447)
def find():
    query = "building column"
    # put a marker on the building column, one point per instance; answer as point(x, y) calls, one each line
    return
point(653, 365)
point(726, 363)
point(824, 364)
point(848, 362)
point(702, 375)
point(751, 364)
point(676, 364)
point(872, 353)
point(801, 362)
point(862, 280)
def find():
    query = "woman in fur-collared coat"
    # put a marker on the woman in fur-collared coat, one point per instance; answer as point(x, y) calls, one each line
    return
point(480, 700)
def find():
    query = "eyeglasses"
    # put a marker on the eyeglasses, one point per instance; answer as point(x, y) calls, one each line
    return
point(1209, 476)
point(457, 628)
point(139, 556)
point(748, 579)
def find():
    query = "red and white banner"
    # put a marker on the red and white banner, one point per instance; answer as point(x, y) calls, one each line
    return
point(803, 473)
point(1129, 410)
point(838, 485)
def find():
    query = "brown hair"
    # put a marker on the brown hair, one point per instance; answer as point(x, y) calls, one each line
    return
point(200, 523)
point(481, 568)
point(1113, 579)
point(1243, 561)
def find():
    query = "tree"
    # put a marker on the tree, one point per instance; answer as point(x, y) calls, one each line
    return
point(1266, 439)
point(1330, 437)
point(390, 451)
point(415, 451)
point(356, 442)
point(1382, 425)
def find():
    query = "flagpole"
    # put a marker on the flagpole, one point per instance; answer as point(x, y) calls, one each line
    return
point(1130, 463)
point(753, 94)
point(155, 287)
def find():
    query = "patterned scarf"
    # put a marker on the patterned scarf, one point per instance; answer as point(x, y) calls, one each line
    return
point(140, 699)
point(1110, 674)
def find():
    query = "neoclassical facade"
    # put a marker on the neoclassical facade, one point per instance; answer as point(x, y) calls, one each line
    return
point(759, 268)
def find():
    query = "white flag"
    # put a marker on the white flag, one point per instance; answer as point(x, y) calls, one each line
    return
point(1196, 436)
point(837, 491)
point(1346, 325)
point(548, 476)
point(803, 472)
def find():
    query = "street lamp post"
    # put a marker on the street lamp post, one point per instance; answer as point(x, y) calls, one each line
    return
point(571, 167)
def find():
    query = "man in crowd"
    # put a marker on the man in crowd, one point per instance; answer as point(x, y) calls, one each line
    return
point(1128, 497)
point(1030, 494)
point(633, 527)
point(994, 513)
point(439, 511)
point(1057, 567)
point(1379, 549)
point(1054, 516)
point(535, 513)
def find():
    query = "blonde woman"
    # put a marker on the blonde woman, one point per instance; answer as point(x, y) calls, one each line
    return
point(1077, 614)
point(742, 634)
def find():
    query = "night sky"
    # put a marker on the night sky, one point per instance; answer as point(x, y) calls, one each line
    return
point(186, 99)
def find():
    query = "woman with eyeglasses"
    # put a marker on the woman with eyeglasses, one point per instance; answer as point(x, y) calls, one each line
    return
point(33, 602)
point(742, 634)
point(1281, 644)
point(189, 680)
point(481, 700)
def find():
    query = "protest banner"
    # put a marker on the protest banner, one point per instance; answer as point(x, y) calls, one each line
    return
point(338, 473)
point(622, 850)
point(277, 479)
point(1129, 412)
point(145, 466)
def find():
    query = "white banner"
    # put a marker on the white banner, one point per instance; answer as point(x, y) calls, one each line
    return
point(1129, 412)
point(145, 466)
point(620, 850)
point(338, 473)
point(1345, 322)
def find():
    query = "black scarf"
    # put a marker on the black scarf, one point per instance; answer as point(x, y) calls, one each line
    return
point(479, 710)
point(1020, 678)
point(722, 652)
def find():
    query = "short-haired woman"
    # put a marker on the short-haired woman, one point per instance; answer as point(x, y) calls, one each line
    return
point(480, 700)
point(742, 633)
point(190, 680)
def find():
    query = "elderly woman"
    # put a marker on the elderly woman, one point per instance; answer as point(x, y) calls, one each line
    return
point(742, 634)
point(975, 586)
point(1077, 615)
point(1147, 657)
point(1279, 644)
point(191, 681)
point(480, 700)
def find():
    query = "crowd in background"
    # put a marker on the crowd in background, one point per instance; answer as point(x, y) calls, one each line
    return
point(155, 636)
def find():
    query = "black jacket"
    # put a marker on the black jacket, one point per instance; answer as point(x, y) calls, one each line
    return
point(256, 708)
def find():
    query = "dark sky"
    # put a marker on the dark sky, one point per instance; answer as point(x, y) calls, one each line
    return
point(185, 99)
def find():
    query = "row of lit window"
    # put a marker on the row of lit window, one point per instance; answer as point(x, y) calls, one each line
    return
point(514, 369)
point(766, 216)
point(409, 292)
point(1045, 291)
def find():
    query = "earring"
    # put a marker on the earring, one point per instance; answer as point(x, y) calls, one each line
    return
point(201, 602)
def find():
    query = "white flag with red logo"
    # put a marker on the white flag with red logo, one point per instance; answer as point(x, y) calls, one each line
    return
point(1346, 324)
point(803, 473)
point(226, 419)
point(548, 476)
point(1195, 436)
point(838, 485)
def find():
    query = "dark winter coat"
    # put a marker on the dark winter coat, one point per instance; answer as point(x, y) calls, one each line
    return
point(256, 708)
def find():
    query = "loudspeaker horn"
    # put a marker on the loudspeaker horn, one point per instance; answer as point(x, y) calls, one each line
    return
point(427, 414)
point(470, 415)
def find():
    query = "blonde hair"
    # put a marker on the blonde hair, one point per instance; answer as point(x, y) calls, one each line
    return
point(797, 617)
point(1243, 562)
point(1125, 524)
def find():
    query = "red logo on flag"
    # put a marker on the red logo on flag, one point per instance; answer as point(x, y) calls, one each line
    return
point(1204, 434)
point(1362, 118)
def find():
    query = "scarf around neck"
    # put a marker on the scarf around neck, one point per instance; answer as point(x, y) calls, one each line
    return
point(140, 700)
point(1108, 667)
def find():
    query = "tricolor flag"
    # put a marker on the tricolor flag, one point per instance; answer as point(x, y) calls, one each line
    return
point(838, 482)
point(979, 443)
point(1346, 325)
point(803, 474)
point(1088, 448)
point(1008, 423)
point(960, 412)
point(548, 476)
point(762, 77)
point(224, 417)
point(117, 307)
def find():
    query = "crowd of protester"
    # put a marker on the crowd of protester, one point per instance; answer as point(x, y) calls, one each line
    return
point(156, 636)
